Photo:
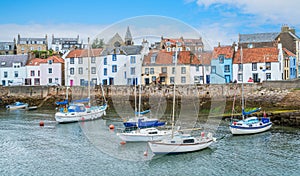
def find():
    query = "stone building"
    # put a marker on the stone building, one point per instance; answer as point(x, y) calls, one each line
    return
point(26, 45)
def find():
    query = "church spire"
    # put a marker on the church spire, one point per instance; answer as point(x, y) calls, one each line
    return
point(128, 37)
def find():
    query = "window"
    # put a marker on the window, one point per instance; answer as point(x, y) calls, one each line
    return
point(221, 59)
point(226, 68)
point(16, 74)
point(146, 70)
point(162, 79)
point(173, 58)
point(39, 73)
point(171, 80)
point(82, 82)
point(49, 70)
point(114, 57)
point(153, 78)
point(183, 79)
point(50, 80)
point(105, 71)
point(213, 69)
point(183, 70)
point(168, 49)
point(50, 62)
point(32, 73)
point(132, 70)
point(197, 68)
point(196, 79)
point(39, 48)
point(93, 60)
point(72, 60)
point(240, 77)
point(254, 66)
point(250, 45)
point(105, 61)
point(80, 70)
point(71, 71)
point(268, 65)
point(125, 75)
point(93, 70)
point(151, 70)
point(153, 58)
point(80, 60)
point(173, 70)
point(240, 67)
point(114, 68)
point(132, 59)
point(268, 76)
point(164, 69)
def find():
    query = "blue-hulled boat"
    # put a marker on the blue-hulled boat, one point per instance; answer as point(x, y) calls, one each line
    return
point(143, 122)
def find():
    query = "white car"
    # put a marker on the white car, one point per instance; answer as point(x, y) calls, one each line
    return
point(15, 84)
point(53, 84)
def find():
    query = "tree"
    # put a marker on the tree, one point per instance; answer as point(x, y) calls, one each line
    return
point(98, 43)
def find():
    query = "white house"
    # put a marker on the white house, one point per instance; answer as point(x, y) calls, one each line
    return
point(12, 69)
point(63, 45)
point(45, 71)
point(259, 64)
point(77, 67)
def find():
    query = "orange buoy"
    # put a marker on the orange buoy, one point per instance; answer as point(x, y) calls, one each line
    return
point(42, 123)
point(122, 142)
point(111, 126)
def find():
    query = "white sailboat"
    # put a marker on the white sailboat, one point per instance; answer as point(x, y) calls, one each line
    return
point(77, 111)
point(250, 125)
point(180, 143)
point(142, 122)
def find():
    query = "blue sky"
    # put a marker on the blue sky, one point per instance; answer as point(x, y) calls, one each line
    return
point(216, 20)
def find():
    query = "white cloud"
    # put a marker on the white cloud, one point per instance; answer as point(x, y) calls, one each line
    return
point(272, 11)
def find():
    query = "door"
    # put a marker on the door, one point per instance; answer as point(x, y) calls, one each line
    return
point(207, 79)
point(111, 81)
point(71, 82)
point(255, 77)
point(227, 78)
point(147, 81)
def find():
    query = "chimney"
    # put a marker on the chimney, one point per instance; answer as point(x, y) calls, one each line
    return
point(219, 44)
point(285, 28)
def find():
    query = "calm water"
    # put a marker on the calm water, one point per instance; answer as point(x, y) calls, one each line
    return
point(90, 148)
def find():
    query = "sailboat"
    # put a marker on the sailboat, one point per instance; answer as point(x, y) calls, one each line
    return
point(78, 110)
point(146, 130)
point(178, 142)
point(140, 120)
point(249, 125)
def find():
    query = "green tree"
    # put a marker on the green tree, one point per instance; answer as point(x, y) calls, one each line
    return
point(98, 43)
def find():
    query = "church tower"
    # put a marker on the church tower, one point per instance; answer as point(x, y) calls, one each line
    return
point(128, 37)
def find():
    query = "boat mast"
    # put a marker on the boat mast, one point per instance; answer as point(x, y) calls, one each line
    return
point(140, 86)
point(174, 93)
point(242, 84)
point(89, 84)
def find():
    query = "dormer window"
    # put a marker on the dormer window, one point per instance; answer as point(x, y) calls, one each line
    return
point(50, 62)
point(168, 43)
point(153, 58)
point(3, 63)
point(250, 45)
point(221, 59)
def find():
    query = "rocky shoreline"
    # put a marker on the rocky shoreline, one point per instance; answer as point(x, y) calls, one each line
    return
point(281, 104)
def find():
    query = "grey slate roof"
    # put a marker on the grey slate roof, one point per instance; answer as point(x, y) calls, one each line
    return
point(127, 50)
point(258, 37)
point(8, 60)
point(3, 44)
point(63, 40)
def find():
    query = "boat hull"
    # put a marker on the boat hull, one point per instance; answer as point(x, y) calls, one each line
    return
point(13, 107)
point(69, 117)
point(163, 148)
point(240, 130)
point(144, 135)
point(143, 124)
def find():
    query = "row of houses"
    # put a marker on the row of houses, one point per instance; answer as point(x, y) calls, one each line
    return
point(24, 45)
point(256, 58)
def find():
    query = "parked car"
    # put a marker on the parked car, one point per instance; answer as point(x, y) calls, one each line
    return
point(15, 83)
point(53, 84)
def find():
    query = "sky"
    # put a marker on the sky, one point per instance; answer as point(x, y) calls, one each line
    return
point(213, 20)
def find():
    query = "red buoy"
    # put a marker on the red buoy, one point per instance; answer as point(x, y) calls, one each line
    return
point(122, 142)
point(42, 123)
point(111, 126)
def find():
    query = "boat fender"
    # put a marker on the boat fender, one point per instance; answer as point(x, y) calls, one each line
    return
point(65, 110)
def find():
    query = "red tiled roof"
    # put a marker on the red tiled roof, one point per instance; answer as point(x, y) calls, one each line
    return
point(164, 58)
point(256, 55)
point(84, 53)
point(289, 53)
point(38, 61)
point(228, 51)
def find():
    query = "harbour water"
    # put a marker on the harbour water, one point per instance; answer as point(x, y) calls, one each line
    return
point(90, 148)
